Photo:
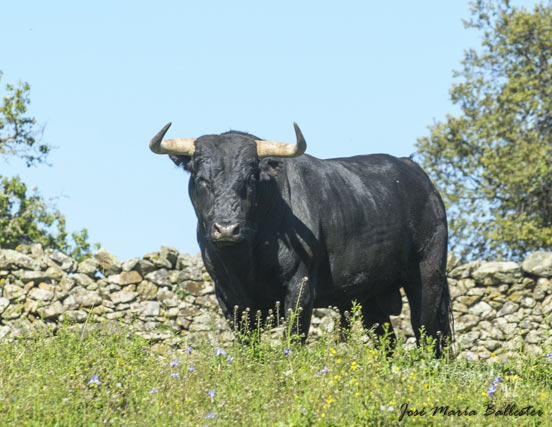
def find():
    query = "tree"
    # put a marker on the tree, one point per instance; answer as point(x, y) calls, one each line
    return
point(24, 218)
point(492, 163)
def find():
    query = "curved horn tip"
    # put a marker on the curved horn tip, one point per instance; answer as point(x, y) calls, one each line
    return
point(301, 143)
point(156, 140)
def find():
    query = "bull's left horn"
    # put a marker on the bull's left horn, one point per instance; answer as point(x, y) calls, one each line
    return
point(175, 146)
point(281, 149)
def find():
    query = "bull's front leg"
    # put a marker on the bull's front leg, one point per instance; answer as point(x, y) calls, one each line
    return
point(298, 306)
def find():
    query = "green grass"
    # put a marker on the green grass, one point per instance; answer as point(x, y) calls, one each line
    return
point(46, 380)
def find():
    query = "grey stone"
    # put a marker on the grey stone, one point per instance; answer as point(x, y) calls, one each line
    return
point(480, 308)
point(508, 308)
point(78, 316)
point(534, 337)
point(12, 311)
point(149, 308)
point(109, 264)
point(125, 278)
point(159, 277)
point(538, 263)
point(147, 289)
point(66, 284)
point(89, 266)
point(144, 267)
point(51, 310)
point(13, 292)
point(170, 254)
point(85, 298)
point(10, 259)
point(130, 264)
point(497, 272)
point(83, 280)
point(4, 302)
point(123, 296)
point(158, 260)
point(41, 294)
point(469, 339)
point(66, 263)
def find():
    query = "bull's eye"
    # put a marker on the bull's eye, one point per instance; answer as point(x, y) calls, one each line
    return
point(202, 182)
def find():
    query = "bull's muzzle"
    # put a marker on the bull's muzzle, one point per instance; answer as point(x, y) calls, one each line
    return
point(226, 233)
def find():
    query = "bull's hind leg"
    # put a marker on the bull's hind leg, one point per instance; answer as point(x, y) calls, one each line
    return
point(374, 317)
point(428, 294)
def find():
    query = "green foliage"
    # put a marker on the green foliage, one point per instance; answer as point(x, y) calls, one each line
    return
point(492, 162)
point(27, 218)
point(18, 132)
point(88, 377)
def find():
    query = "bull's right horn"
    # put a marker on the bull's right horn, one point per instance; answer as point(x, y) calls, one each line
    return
point(175, 146)
point(281, 149)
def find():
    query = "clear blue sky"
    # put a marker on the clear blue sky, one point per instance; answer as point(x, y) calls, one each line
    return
point(357, 76)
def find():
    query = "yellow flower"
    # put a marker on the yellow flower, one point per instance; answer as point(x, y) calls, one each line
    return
point(333, 351)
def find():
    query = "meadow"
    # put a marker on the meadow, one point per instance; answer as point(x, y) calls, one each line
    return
point(89, 378)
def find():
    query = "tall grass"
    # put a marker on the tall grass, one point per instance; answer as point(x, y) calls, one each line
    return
point(92, 378)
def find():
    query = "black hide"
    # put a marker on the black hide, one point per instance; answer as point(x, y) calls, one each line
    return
point(359, 228)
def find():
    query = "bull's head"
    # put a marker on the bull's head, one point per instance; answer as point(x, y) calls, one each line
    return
point(225, 173)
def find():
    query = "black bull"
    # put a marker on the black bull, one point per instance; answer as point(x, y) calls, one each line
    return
point(359, 228)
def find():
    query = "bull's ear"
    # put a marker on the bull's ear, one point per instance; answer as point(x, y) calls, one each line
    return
point(184, 162)
point(270, 166)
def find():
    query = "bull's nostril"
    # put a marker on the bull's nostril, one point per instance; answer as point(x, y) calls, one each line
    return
point(222, 232)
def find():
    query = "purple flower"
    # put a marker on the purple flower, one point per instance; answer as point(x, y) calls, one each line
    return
point(174, 363)
point(220, 352)
point(211, 415)
point(497, 380)
point(229, 359)
point(176, 375)
point(153, 390)
point(212, 394)
point(324, 370)
point(189, 349)
point(491, 391)
point(94, 380)
point(470, 357)
point(549, 357)
point(191, 369)
point(287, 351)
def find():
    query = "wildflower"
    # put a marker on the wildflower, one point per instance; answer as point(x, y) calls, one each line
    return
point(212, 394)
point(191, 369)
point(94, 380)
point(333, 351)
point(211, 415)
point(174, 363)
point(229, 359)
point(189, 349)
point(153, 390)
point(324, 370)
point(220, 352)
point(176, 375)
point(497, 380)
point(287, 351)
point(470, 357)
point(549, 357)
point(491, 391)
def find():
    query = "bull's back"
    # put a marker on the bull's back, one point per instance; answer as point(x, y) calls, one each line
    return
point(368, 215)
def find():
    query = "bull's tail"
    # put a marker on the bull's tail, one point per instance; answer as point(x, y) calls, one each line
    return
point(446, 320)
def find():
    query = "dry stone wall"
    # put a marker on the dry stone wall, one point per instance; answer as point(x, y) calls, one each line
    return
point(499, 308)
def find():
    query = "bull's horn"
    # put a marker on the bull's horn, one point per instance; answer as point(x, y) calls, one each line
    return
point(281, 149)
point(175, 146)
